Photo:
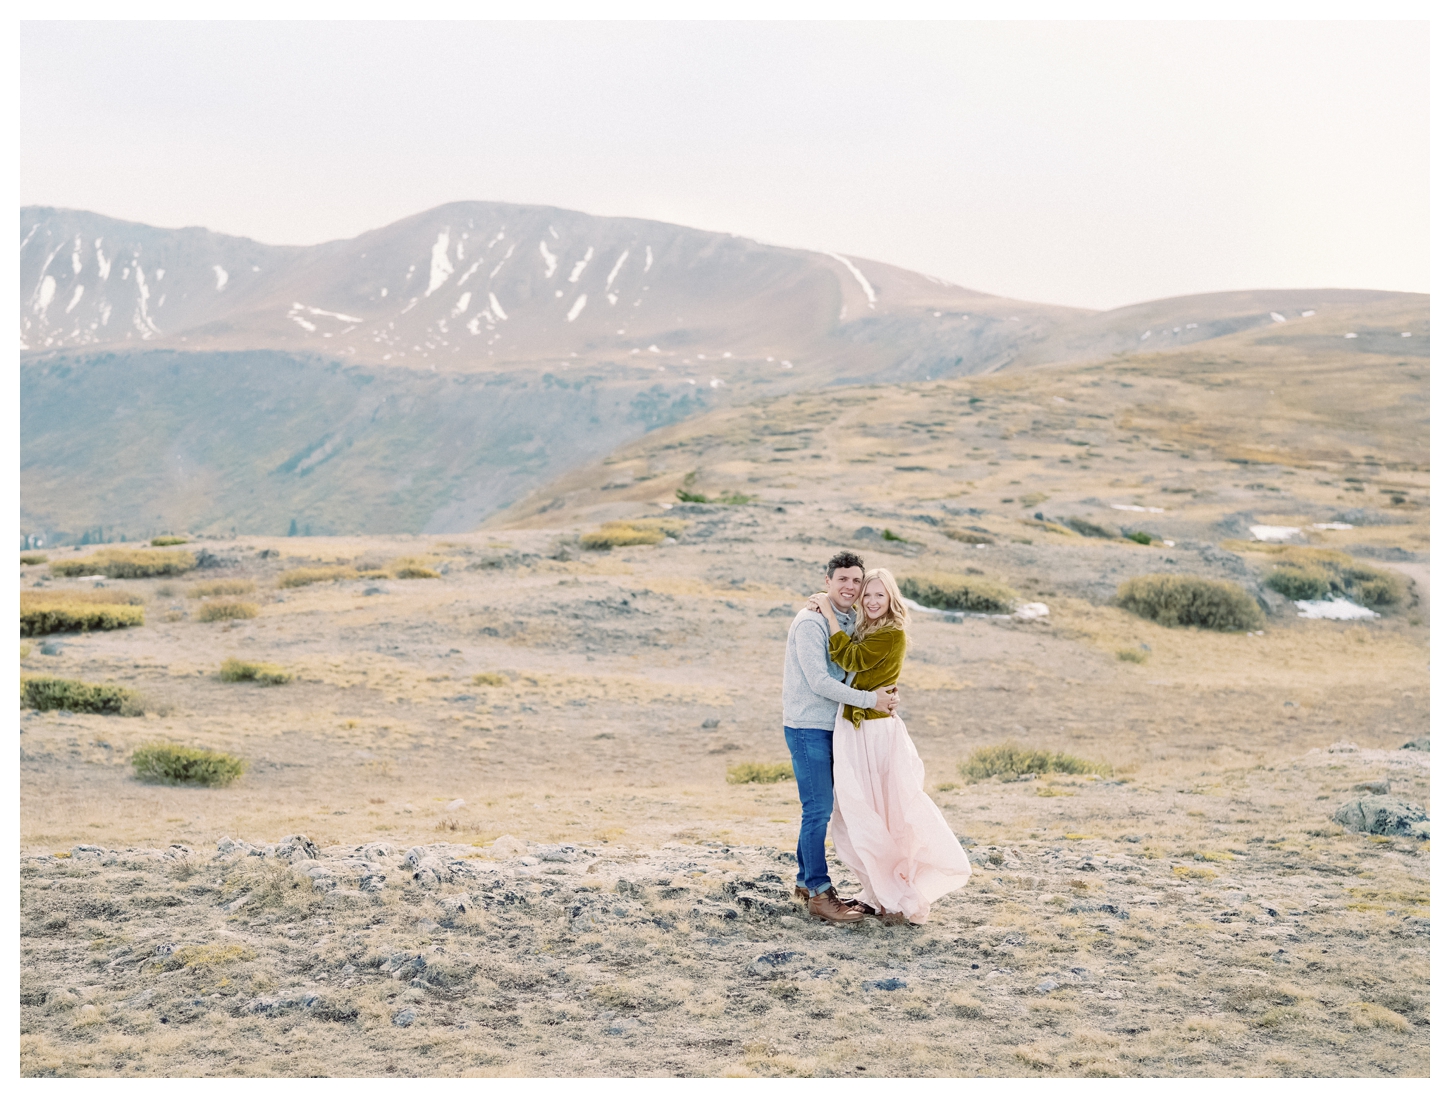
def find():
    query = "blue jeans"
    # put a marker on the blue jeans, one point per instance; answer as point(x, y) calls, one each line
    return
point(811, 758)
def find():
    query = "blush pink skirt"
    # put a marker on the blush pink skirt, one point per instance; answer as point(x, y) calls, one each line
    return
point(885, 828)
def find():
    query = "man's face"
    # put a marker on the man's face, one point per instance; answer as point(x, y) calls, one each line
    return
point(844, 586)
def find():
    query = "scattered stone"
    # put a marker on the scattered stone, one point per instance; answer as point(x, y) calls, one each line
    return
point(890, 984)
point(1047, 985)
point(237, 904)
point(454, 805)
point(776, 964)
point(506, 846)
point(297, 847)
point(1384, 815)
point(1422, 744)
point(405, 1017)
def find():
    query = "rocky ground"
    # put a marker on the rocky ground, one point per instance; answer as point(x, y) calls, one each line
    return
point(1199, 943)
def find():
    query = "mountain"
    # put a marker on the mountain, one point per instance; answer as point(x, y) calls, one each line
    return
point(427, 374)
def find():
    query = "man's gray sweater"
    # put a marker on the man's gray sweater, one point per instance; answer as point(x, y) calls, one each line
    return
point(814, 686)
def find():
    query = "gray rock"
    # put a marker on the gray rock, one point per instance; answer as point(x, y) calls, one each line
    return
point(373, 882)
point(297, 847)
point(1377, 814)
point(405, 1017)
point(865, 532)
point(1422, 744)
point(1047, 985)
point(762, 904)
point(1381, 786)
point(890, 984)
point(776, 963)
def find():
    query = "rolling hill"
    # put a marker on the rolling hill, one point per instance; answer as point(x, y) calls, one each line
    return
point(427, 375)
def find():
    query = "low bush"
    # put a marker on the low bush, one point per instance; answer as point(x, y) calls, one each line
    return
point(169, 539)
point(1303, 573)
point(1132, 655)
point(25, 651)
point(1140, 537)
point(1089, 529)
point(970, 537)
point(1190, 600)
point(33, 558)
point(301, 577)
point(269, 674)
point(412, 568)
point(1010, 758)
point(177, 765)
point(887, 535)
point(220, 587)
point(728, 499)
point(44, 612)
point(764, 773)
point(226, 610)
point(128, 564)
point(489, 678)
point(37, 692)
point(945, 591)
point(622, 533)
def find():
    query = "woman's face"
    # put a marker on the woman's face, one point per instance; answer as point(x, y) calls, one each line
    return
point(874, 600)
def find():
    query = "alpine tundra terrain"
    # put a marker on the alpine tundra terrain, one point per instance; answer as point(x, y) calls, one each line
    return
point(486, 824)
point(425, 375)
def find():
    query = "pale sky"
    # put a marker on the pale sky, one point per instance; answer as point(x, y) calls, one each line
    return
point(1086, 164)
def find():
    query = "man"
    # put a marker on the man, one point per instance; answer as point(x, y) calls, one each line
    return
point(813, 688)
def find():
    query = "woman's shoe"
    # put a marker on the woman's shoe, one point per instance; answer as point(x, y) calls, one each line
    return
point(860, 905)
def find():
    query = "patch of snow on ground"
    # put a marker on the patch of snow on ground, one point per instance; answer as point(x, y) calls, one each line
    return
point(1145, 335)
point(497, 308)
point(553, 233)
point(440, 267)
point(46, 295)
point(102, 262)
point(75, 258)
point(221, 275)
point(305, 323)
point(1273, 533)
point(715, 383)
point(1276, 318)
point(458, 310)
point(577, 307)
point(1135, 507)
point(614, 271)
point(856, 273)
point(75, 297)
point(470, 271)
point(551, 261)
point(1307, 312)
point(1351, 335)
point(1190, 326)
point(1406, 335)
point(649, 259)
point(579, 267)
point(1337, 609)
point(1333, 526)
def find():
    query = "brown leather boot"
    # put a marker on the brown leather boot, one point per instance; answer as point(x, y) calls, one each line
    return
point(827, 907)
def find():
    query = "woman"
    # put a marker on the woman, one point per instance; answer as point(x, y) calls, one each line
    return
point(885, 828)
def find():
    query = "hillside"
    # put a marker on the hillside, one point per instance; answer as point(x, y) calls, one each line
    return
point(426, 375)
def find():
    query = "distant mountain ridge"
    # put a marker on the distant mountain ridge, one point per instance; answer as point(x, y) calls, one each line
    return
point(137, 341)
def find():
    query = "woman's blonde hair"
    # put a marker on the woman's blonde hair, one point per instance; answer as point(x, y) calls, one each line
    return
point(896, 616)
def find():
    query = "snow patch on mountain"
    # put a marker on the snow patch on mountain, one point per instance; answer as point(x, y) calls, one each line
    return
point(860, 278)
point(579, 267)
point(439, 268)
point(551, 261)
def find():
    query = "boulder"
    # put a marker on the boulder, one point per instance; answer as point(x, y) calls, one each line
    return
point(506, 846)
point(1379, 814)
point(1422, 744)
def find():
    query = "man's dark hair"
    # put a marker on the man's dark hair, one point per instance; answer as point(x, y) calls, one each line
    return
point(844, 559)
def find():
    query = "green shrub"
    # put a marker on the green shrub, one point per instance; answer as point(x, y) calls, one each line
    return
point(219, 587)
point(1010, 758)
point(945, 591)
point(764, 773)
point(128, 564)
point(301, 577)
point(489, 678)
point(269, 674)
point(1302, 573)
point(729, 499)
point(691, 497)
point(1190, 600)
point(33, 558)
point(177, 765)
point(169, 539)
point(970, 537)
point(1132, 655)
point(37, 692)
point(1140, 537)
point(887, 535)
point(622, 533)
point(226, 610)
point(1296, 582)
point(44, 612)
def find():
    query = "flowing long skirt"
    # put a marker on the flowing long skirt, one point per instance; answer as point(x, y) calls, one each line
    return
point(884, 826)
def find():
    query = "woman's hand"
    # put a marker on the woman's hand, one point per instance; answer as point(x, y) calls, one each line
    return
point(817, 602)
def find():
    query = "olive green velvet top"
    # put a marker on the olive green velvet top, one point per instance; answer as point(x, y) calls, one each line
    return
point(877, 661)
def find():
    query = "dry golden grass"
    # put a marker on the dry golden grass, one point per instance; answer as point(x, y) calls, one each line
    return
point(127, 563)
point(43, 612)
point(226, 610)
point(302, 577)
point(221, 587)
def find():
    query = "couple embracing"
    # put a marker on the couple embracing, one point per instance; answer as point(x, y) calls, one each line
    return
point(855, 766)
